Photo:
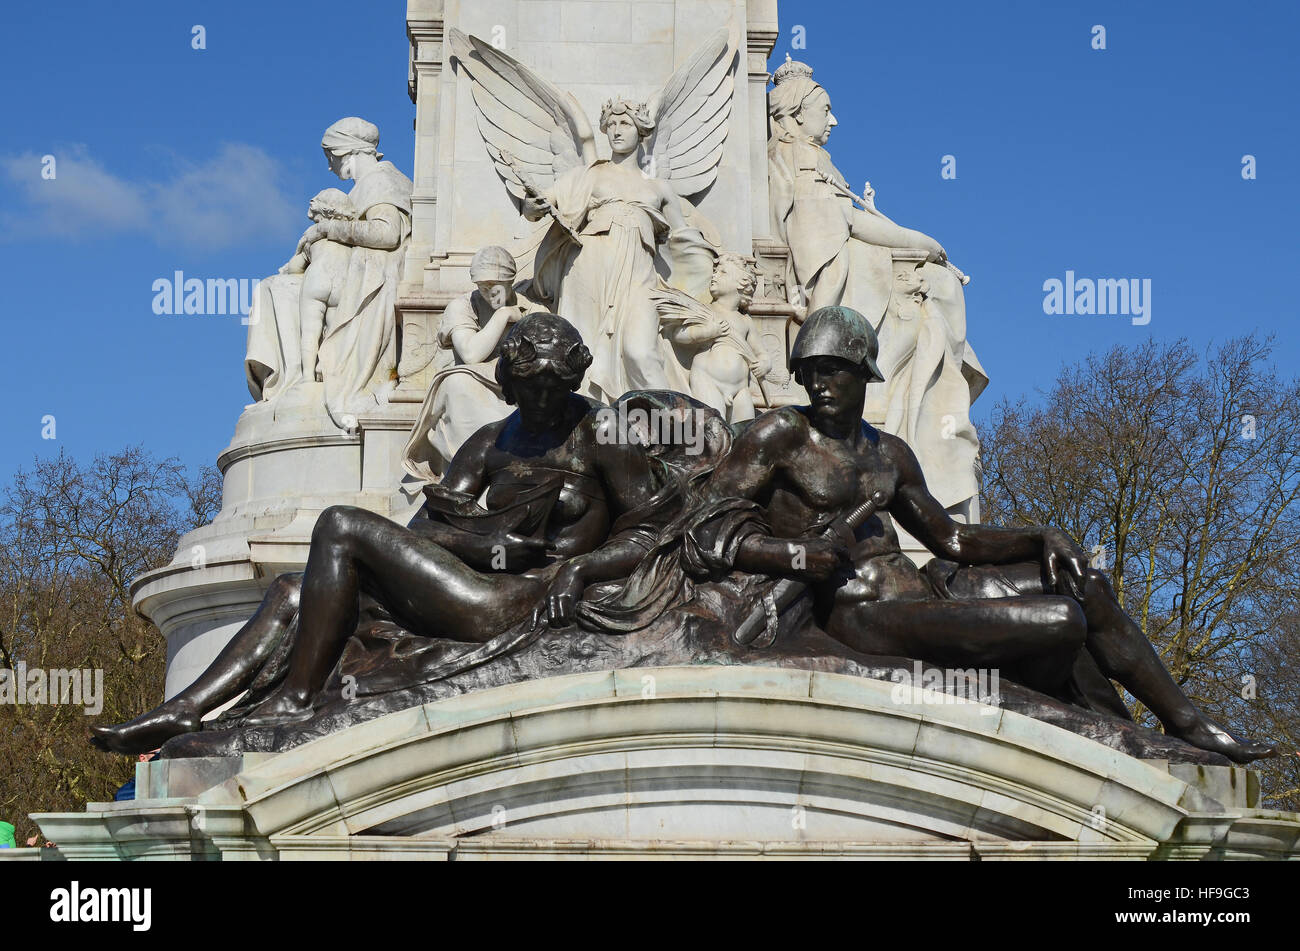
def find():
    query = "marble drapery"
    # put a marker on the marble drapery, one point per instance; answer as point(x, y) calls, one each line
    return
point(462, 396)
point(603, 285)
point(359, 344)
point(931, 372)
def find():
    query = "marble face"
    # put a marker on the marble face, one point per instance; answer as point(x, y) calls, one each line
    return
point(622, 134)
point(343, 166)
point(816, 118)
point(724, 285)
point(496, 293)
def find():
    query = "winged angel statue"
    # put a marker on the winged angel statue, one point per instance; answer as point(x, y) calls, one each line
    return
point(611, 217)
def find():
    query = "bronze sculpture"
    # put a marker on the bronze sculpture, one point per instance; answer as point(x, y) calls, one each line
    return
point(554, 491)
point(573, 504)
point(1024, 601)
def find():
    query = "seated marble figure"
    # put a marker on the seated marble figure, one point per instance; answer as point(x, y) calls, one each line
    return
point(464, 395)
point(727, 351)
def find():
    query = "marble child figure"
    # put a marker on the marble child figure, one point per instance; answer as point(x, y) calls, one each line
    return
point(1020, 600)
point(729, 356)
point(324, 266)
point(439, 577)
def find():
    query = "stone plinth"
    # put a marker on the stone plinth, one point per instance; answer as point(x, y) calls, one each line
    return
point(719, 762)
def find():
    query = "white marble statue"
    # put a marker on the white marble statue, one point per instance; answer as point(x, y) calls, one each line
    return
point(611, 217)
point(464, 394)
point(931, 379)
point(728, 355)
point(357, 350)
point(840, 253)
point(324, 267)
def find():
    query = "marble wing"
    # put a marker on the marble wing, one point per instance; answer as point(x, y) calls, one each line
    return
point(692, 113)
point(532, 130)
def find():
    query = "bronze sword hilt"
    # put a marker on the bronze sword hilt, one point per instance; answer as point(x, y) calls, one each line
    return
point(787, 590)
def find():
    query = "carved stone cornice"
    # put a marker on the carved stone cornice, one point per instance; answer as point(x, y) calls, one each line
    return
point(425, 38)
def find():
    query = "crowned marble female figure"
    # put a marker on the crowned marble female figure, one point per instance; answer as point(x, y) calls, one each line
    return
point(840, 253)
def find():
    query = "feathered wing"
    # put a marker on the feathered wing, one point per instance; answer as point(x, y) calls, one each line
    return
point(531, 129)
point(692, 114)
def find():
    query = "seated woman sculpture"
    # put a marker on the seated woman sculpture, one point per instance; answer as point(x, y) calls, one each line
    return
point(555, 485)
point(464, 395)
point(355, 351)
point(1020, 600)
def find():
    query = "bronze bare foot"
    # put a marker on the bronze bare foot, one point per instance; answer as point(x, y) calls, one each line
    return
point(1208, 735)
point(147, 731)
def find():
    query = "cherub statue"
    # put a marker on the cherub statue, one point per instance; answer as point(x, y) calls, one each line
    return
point(729, 350)
point(324, 267)
point(611, 216)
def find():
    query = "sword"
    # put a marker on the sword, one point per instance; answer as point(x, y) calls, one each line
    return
point(786, 591)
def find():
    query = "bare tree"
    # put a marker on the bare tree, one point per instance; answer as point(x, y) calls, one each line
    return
point(1182, 475)
point(72, 537)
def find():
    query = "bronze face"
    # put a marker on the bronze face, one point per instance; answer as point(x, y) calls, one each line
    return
point(836, 393)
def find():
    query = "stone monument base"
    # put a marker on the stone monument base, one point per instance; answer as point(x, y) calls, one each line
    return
point(687, 762)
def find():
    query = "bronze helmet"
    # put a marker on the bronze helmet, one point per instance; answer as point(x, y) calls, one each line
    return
point(837, 332)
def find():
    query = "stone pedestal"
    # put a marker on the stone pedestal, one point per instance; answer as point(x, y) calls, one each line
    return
point(657, 763)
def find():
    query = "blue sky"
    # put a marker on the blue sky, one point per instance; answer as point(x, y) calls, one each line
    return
point(1121, 163)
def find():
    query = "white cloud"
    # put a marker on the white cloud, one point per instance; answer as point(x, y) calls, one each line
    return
point(232, 197)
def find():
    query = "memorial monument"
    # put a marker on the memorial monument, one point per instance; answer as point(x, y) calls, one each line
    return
point(574, 496)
